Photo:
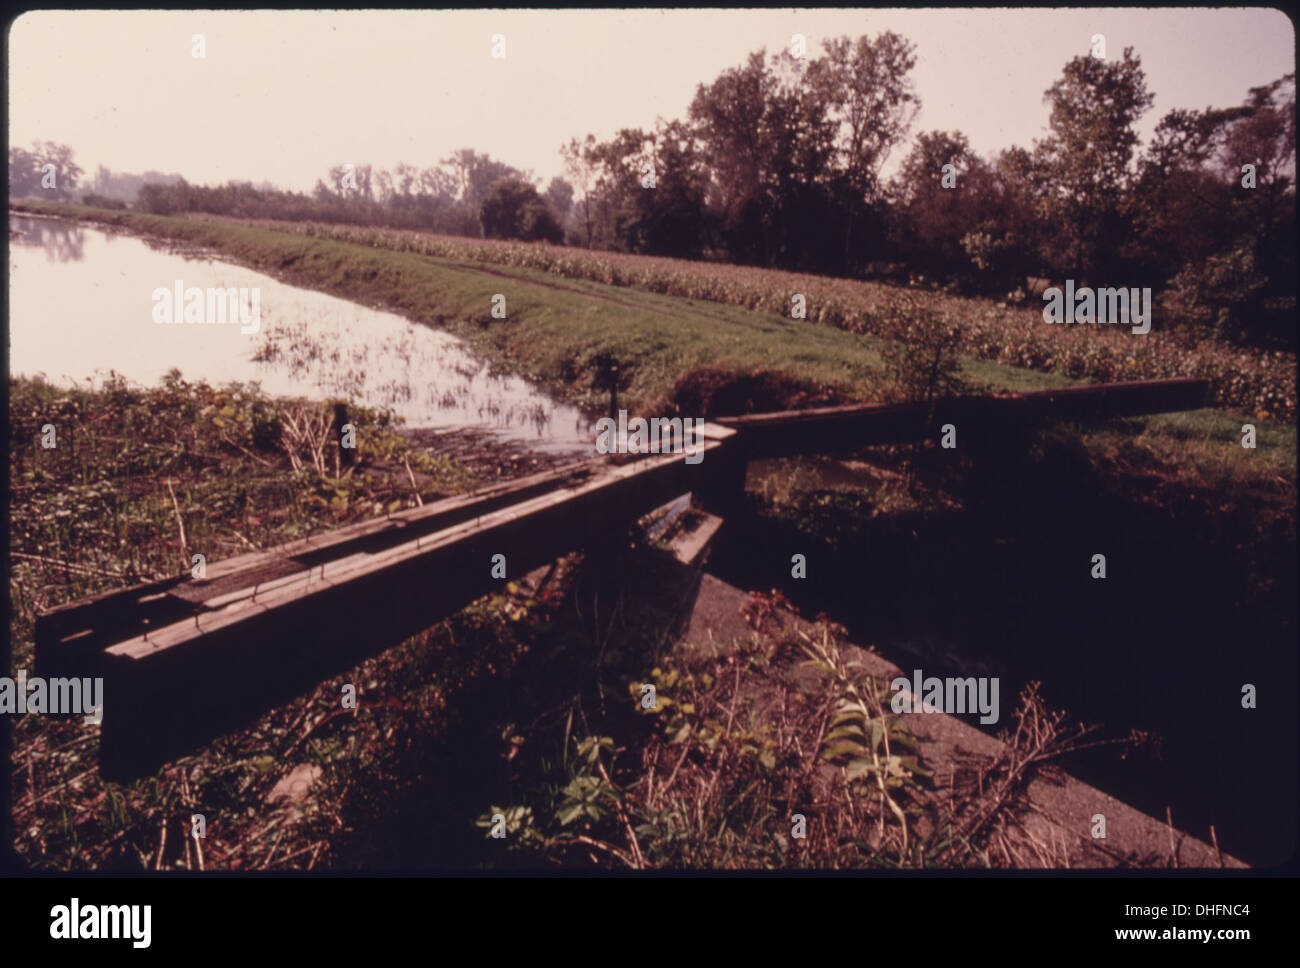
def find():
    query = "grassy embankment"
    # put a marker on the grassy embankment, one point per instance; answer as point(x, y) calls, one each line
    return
point(1257, 383)
point(554, 326)
point(688, 354)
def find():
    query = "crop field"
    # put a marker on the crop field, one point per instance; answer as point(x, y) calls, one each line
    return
point(675, 352)
point(1258, 383)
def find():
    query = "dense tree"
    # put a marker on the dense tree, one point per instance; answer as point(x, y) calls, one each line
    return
point(1086, 158)
point(931, 201)
point(766, 140)
point(1213, 214)
point(559, 195)
point(671, 217)
point(1179, 208)
point(728, 117)
point(645, 191)
point(47, 171)
point(475, 173)
point(1005, 247)
point(793, 146)
point(512, 209)
point(125, 187)
point(867, 85)
point(580, 165)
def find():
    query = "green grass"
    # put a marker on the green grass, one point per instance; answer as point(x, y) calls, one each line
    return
point(1275, 442)
point(1204, 447)
point(1006, 333)
point(555, 325)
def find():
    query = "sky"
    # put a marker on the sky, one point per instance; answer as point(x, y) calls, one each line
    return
point(282, 96)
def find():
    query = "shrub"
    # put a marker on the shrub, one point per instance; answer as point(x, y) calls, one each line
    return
point(921, 354)
point(102, 201)
point(1219, 295)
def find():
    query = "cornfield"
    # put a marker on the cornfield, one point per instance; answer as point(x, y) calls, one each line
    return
point(1261, 384)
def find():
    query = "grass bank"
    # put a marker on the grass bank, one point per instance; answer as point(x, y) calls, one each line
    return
point(710, 353)
point(676, 352)
point(1256, 383)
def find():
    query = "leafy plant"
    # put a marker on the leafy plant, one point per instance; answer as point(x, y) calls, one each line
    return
point(864, 740)
point(921, 355)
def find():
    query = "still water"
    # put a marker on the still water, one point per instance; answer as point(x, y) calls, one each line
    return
point(81, 305)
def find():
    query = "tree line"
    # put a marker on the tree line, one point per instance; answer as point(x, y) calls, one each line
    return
point(468, 194)
point(778, 162)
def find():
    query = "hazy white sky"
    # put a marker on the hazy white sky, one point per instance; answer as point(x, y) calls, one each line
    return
point(282, 96)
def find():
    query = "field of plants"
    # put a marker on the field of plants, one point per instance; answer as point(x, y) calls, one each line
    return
point(149, 475)
point(1257, 383)
point(1014, 338)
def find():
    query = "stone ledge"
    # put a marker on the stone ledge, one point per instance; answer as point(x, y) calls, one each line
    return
point(1059, 819)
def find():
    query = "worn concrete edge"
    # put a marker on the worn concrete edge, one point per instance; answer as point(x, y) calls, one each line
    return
point(1062, 807)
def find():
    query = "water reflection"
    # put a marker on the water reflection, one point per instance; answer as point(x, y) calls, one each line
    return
point(404, 369)
point(62, 242)
point(76, 314)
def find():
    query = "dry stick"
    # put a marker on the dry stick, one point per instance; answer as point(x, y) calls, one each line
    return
point(81, 569)
point(699, 804)
point(162, 845)
point(976, 820)
point(31, 777)
point(306, 711)
point(880, 780)
point(298, 853)
point(83, 738)
point(731, 715)
point(245, 540)
point(185, 549)
point(330, 717)
point(735, 694)
point(1173, 848)
point(853, 692)
point(673, 775)
point(247, 453)
point(266, 863)
point(848, 796)
point(622, 815)
point(189, 805)
point(609, 848)
point(1042, 737)
point(49, 793)
point(811, 764)
point(618, 804)
point(418, 500)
